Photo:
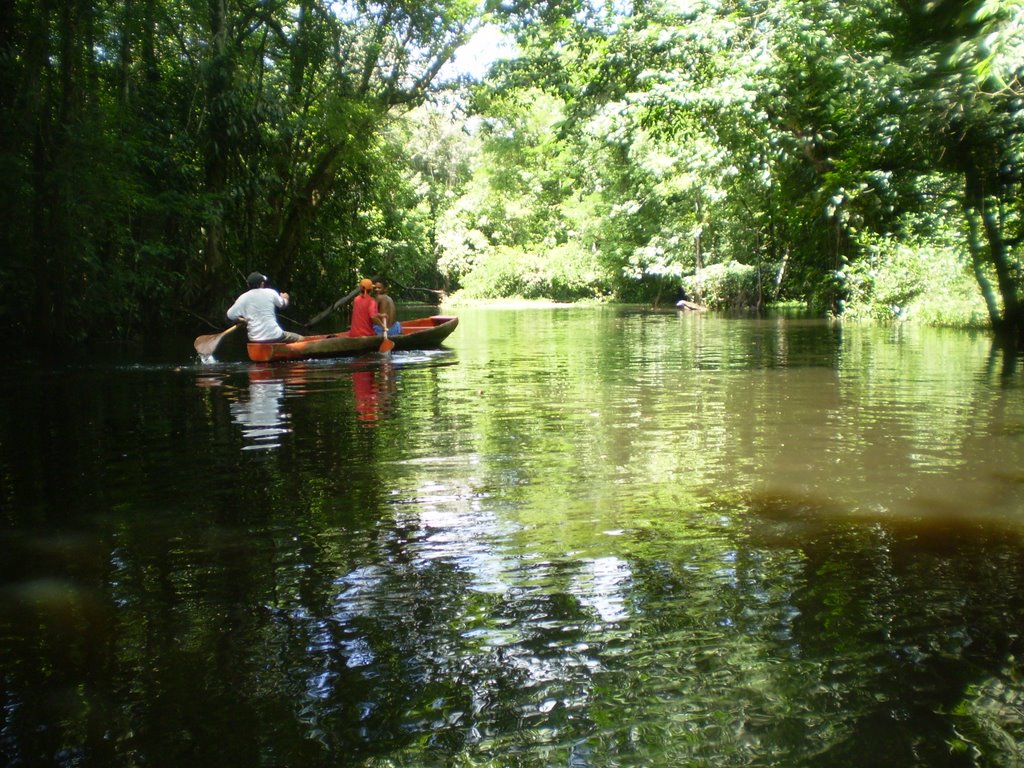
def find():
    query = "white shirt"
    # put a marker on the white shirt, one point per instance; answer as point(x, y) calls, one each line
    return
point(259, 308)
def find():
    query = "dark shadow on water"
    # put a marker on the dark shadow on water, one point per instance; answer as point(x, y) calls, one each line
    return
point(930, 611)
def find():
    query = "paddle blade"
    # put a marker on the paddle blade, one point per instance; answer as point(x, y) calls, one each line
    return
point(387, 345)
point(207, 345)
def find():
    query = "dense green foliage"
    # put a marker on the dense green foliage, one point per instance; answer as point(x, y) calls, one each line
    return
point(157, 151)
point(862, 156)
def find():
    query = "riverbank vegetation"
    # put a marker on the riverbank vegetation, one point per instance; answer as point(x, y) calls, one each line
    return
point(862, 157)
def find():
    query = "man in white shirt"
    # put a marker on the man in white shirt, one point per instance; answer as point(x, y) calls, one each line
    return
point(257, 308)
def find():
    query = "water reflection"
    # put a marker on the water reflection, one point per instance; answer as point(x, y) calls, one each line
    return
point(259, 410)
point(266, 404)
point(373, 389)
point(585, 538)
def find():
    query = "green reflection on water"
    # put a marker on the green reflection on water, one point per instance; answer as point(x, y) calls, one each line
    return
point(577, 537)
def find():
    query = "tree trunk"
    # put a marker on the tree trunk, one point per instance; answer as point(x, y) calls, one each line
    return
point(218, 84)
point(124, 68)
point(698, 256)
point(300, 210)
point(38, 56)
point(989, 249)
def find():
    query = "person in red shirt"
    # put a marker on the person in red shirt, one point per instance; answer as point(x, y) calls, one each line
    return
point(365, 311)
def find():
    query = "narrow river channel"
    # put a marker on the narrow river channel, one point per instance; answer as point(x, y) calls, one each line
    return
point(570, 537)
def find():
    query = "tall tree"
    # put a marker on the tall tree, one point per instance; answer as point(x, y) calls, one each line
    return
point(973, 101)
point(156, 150)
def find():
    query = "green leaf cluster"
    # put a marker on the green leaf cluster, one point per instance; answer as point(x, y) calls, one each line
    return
point(157, 151)
point(792, 137)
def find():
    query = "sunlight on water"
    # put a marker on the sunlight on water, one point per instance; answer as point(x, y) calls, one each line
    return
point(572, 537)
point(261, 416)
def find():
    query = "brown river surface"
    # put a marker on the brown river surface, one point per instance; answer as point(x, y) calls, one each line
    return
point(570, 537)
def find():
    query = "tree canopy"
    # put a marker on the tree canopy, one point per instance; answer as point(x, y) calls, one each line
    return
point(860, 156)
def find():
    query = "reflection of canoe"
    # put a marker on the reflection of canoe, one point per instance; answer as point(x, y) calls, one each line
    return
point(421, 333)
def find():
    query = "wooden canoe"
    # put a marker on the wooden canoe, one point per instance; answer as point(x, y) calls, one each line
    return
point(421, 333)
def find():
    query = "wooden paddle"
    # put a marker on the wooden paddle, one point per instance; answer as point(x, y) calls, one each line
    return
point(387, 345)
point(207, 345)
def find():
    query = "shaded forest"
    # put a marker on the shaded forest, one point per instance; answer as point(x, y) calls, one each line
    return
point(862, 157)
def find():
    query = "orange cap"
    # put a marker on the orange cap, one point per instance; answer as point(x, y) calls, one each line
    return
point(366, 283)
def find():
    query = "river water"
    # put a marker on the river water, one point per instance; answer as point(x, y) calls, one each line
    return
point(570, 537)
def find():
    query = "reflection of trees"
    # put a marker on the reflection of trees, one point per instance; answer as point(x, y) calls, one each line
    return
point(781, 637)
point(905, 623)
point(569, 575)
point(852, 646)
point(882, 420)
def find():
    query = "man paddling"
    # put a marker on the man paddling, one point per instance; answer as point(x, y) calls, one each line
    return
point(257, 308)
